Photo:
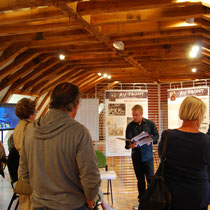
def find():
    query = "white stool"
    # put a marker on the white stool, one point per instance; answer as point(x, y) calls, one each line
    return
point(108, 175)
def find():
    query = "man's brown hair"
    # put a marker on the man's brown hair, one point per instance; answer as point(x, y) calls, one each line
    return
point(65, 96)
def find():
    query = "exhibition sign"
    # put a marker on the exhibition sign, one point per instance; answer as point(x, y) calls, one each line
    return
point(175, 98)
point(118, 113)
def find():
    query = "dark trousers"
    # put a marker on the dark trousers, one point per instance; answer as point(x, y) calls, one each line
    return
point(142, 169)
point(84, 207)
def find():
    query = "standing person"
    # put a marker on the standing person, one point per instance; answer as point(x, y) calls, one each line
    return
point(3, 159)
point(188, 155)
point(142, 157)
point(26, 112)
point(57, 156)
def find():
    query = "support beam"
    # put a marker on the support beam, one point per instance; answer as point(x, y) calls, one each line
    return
point(101, 37)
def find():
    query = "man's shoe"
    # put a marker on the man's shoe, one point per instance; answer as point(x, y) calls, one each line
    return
point(136, 207)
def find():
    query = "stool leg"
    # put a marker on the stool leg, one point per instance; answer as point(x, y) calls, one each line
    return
point(111, 190)
point(13, 198)
point(17, 204)
point(108, 187)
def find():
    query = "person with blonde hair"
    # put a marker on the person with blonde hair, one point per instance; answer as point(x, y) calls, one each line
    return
point(187, 159)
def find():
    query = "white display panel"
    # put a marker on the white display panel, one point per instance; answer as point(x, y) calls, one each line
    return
point(175, 98)
point(88, 116)
point(118, 111)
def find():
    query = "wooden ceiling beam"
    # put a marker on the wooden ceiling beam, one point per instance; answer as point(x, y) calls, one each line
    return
point(145, 27)
point(87, 88)
point(21, 81)
point(44, 100)
point(19, 61)
point(101, 37)
point(41, 76)
point(32, 14)
point(37, 27)
point(168, 63)
point(84, 79)
point(105, 68)
point(60, 42)
point(12, 52)
point(29, 78)
point(132, 36)
point(52, 77)
point(17, 4)
point(51, 84)
point(91, 56)
point(48, 35)
point(23, 70)
point(99, 7)
point(163, 41)
point(52, 80)
point(157, 14)
point(96, 61)
point(88, 81)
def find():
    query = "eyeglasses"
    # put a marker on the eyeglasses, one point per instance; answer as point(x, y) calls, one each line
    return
point(136, 115)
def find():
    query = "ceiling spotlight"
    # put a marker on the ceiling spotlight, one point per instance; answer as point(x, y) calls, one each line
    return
point(99, 74)
point(194, 51)
point(195, 48)
point(105, 75)
point(119, 45)
point(194, 69)
point(62, 57)
point(109, 77)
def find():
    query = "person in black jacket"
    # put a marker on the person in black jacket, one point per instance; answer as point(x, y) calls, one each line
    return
point(142, 157)
point(187, 159)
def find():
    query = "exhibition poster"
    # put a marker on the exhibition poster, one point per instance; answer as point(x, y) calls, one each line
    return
point(175, 98)
point(118, 113)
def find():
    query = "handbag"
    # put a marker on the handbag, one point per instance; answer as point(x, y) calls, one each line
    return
point(157, 195)
point(23, 188)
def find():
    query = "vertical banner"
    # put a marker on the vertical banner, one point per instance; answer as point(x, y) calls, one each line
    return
point(88, 116)
point(175, 98)
point(118, 113)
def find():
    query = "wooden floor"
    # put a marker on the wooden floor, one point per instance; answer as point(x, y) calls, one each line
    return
point(122, 201)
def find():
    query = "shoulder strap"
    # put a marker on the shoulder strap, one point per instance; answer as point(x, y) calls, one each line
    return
point(163, 155)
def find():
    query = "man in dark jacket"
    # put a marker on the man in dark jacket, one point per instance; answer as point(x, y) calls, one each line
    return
point(142, 157)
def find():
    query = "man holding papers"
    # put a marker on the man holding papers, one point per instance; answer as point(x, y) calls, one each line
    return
point(142, 156)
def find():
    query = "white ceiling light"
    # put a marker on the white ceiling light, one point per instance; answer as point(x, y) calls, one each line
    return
point(119, 45)
point(62, 57)
point(99, 74)
point(194, 69)
point(105, 75)
point(194, 51)
point(109, 77)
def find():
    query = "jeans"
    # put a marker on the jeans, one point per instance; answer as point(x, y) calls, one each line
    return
point(142, 169)
point(84, 207)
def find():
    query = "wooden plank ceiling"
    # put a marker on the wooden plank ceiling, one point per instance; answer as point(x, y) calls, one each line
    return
point(155, 34)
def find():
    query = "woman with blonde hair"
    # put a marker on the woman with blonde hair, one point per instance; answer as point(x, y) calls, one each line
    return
point(187, 159)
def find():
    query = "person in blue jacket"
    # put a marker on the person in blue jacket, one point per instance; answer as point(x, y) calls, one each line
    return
point(142, 157)
point(187, 159)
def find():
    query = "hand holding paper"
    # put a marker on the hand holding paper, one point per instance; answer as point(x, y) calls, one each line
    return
point(142, 138)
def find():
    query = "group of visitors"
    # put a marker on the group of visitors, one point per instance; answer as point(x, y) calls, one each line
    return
point(187, 156)
point(57, 157)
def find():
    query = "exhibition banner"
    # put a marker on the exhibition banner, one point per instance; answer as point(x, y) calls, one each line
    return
point(118, 113)
point(175, 98)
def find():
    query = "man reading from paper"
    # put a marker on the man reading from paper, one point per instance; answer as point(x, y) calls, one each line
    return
point(142, 157)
